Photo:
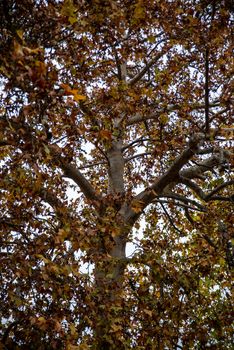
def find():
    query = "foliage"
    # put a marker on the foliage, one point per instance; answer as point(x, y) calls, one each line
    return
point(116, 131)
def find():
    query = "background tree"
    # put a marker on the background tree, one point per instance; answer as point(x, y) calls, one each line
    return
point(116, 129)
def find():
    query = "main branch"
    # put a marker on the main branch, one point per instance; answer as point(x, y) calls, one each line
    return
point(146, 197)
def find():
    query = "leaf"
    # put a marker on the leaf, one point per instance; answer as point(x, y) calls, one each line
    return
point(77, 347)
point(32, 51)
point(20, 33)
point(18, 50)
point(148, 312)
point(78, 97)
point(73, 329)
point(72, 20)
point(74, 92)
point(164, 119)
point(110, 230)
point(41, 67)
point(116, 328)
point(68, 9)
point(42, 323)
point(105, 134)
point(47, 150)
point(137, 206)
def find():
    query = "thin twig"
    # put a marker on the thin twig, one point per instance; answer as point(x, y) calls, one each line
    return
point(170, 220)
point(91, 165)
point(138, 155)
point(178, 204)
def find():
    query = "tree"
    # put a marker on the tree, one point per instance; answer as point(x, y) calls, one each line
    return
point(116, 129)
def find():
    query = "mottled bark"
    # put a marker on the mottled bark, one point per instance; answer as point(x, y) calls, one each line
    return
point(116, 168)
point(109, 276)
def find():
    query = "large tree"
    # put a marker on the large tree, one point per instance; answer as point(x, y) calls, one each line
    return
point(116, 131)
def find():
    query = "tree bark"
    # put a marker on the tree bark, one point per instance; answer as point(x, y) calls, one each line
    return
point(116, 168)
point(109, 276)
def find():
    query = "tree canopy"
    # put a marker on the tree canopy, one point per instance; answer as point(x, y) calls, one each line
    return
point(116, 181)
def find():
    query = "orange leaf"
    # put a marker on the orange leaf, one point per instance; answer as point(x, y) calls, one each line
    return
point(73, 92)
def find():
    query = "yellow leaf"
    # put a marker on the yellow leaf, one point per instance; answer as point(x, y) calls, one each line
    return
point(32, 51)
point(74, 92)
point(72, 19)
point(78, 97)
point(20, 33)
point(73, 329)
point(139, 12)
point(41, 319)
point(163, 118)
point(68, 8)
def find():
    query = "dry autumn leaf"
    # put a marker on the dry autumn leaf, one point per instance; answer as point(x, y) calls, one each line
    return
point(116, 174)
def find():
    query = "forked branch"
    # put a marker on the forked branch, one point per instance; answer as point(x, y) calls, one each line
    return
point(70, 171)
point(211, 195)
point(73, 173)
point(145, 69)
point(137, 118)
point(171, 176)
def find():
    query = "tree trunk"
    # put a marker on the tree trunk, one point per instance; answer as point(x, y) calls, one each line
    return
point(109, 273)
